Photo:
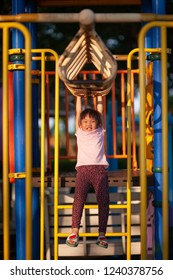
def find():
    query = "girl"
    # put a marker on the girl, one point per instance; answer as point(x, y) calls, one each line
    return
point(91, 170)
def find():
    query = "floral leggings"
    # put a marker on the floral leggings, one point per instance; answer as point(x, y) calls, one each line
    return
point(94, 175)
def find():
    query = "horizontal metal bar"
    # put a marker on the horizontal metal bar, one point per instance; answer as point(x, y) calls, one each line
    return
point(17, 175)
point(93, 206)
point(93, 234)
point(74, 17)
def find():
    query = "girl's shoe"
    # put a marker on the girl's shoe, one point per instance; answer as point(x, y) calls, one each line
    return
point(102, 242)
point(72, 240)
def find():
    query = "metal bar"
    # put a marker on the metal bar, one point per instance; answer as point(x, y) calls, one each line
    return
point(5, 139)
point(114, 123)
point(123, 115)
point(74, 17)
point(66, 122)
point(47, 122)
point(93, 206)
point(165, 198)
point(56, 150)
point(56, 157)
point(142, 151)
point(28, 139)
point(134, 160)
point(94, 234)
point(130, 126)
point(28, 142)
point(142, 130)
point(42, 155)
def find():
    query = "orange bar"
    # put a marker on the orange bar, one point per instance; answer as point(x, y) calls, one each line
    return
point(66, 121)
point(123, 115)
point(134, 160)
point(114, 129)
point(47, 122)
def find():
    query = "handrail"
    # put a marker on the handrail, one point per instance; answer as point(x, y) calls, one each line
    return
point(28, 137)
point(43, 53)
point(163, 25)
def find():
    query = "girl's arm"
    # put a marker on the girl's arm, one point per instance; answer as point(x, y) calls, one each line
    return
point(100, 104)
point(100, 107)
point(78, 111)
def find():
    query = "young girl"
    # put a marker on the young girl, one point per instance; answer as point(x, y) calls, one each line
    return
point(91, 170)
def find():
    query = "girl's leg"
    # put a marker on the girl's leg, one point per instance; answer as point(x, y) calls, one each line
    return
point(81, 190)
point(101, 187)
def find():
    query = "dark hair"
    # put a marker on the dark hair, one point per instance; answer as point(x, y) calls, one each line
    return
point(92, 114)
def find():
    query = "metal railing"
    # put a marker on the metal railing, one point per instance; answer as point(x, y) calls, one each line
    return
point(28, 137)
point(164, 88)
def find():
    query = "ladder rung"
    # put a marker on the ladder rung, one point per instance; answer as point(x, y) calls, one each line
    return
point(94, 206)
point(94, 234)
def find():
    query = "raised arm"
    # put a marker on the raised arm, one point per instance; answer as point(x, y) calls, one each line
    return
point(78, 110)
point(100, 104)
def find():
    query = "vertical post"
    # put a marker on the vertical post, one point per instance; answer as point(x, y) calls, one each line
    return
point(19, 128)
point(170, 159)
point(23, 141)
point(31, 7)
point(5, 137)
point(146, 7)
point(158, 8)
point(164, 142)
point(113, 163)
point(56, 159)
point(142, 151)
point(42, 153)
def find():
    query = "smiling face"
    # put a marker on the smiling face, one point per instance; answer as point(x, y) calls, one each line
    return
point(88, 123)
point(90, 119)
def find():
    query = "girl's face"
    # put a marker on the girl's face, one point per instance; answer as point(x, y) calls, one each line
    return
point(88, 123)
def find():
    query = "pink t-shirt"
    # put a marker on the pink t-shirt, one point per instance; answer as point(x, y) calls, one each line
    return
point(91, 147)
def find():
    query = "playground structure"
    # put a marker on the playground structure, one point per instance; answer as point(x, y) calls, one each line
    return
point(128, 129)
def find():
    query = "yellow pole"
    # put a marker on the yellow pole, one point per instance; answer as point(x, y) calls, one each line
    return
point(129, 138)
point(5, 137)
point(164, 142)
point(28, 138)
point(43, 58)
point(56, 158)
point(42, 155)
point(142, 33)
point(142, 152)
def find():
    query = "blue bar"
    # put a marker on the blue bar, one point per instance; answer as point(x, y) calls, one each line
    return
point(31, 8)
point(19, 138)
point(158, 8)
point(147, 8)
point(113, 162)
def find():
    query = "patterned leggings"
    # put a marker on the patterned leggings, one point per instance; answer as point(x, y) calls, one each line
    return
point(94, 175)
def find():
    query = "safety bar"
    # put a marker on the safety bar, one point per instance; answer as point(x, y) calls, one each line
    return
point(163, 28)
point(28, 138)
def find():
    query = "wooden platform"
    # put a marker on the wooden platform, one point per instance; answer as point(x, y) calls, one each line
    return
point(116, 178)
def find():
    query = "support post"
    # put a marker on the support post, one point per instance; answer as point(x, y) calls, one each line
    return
point(31, 8)
point(158, 7)
point(19, 128)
